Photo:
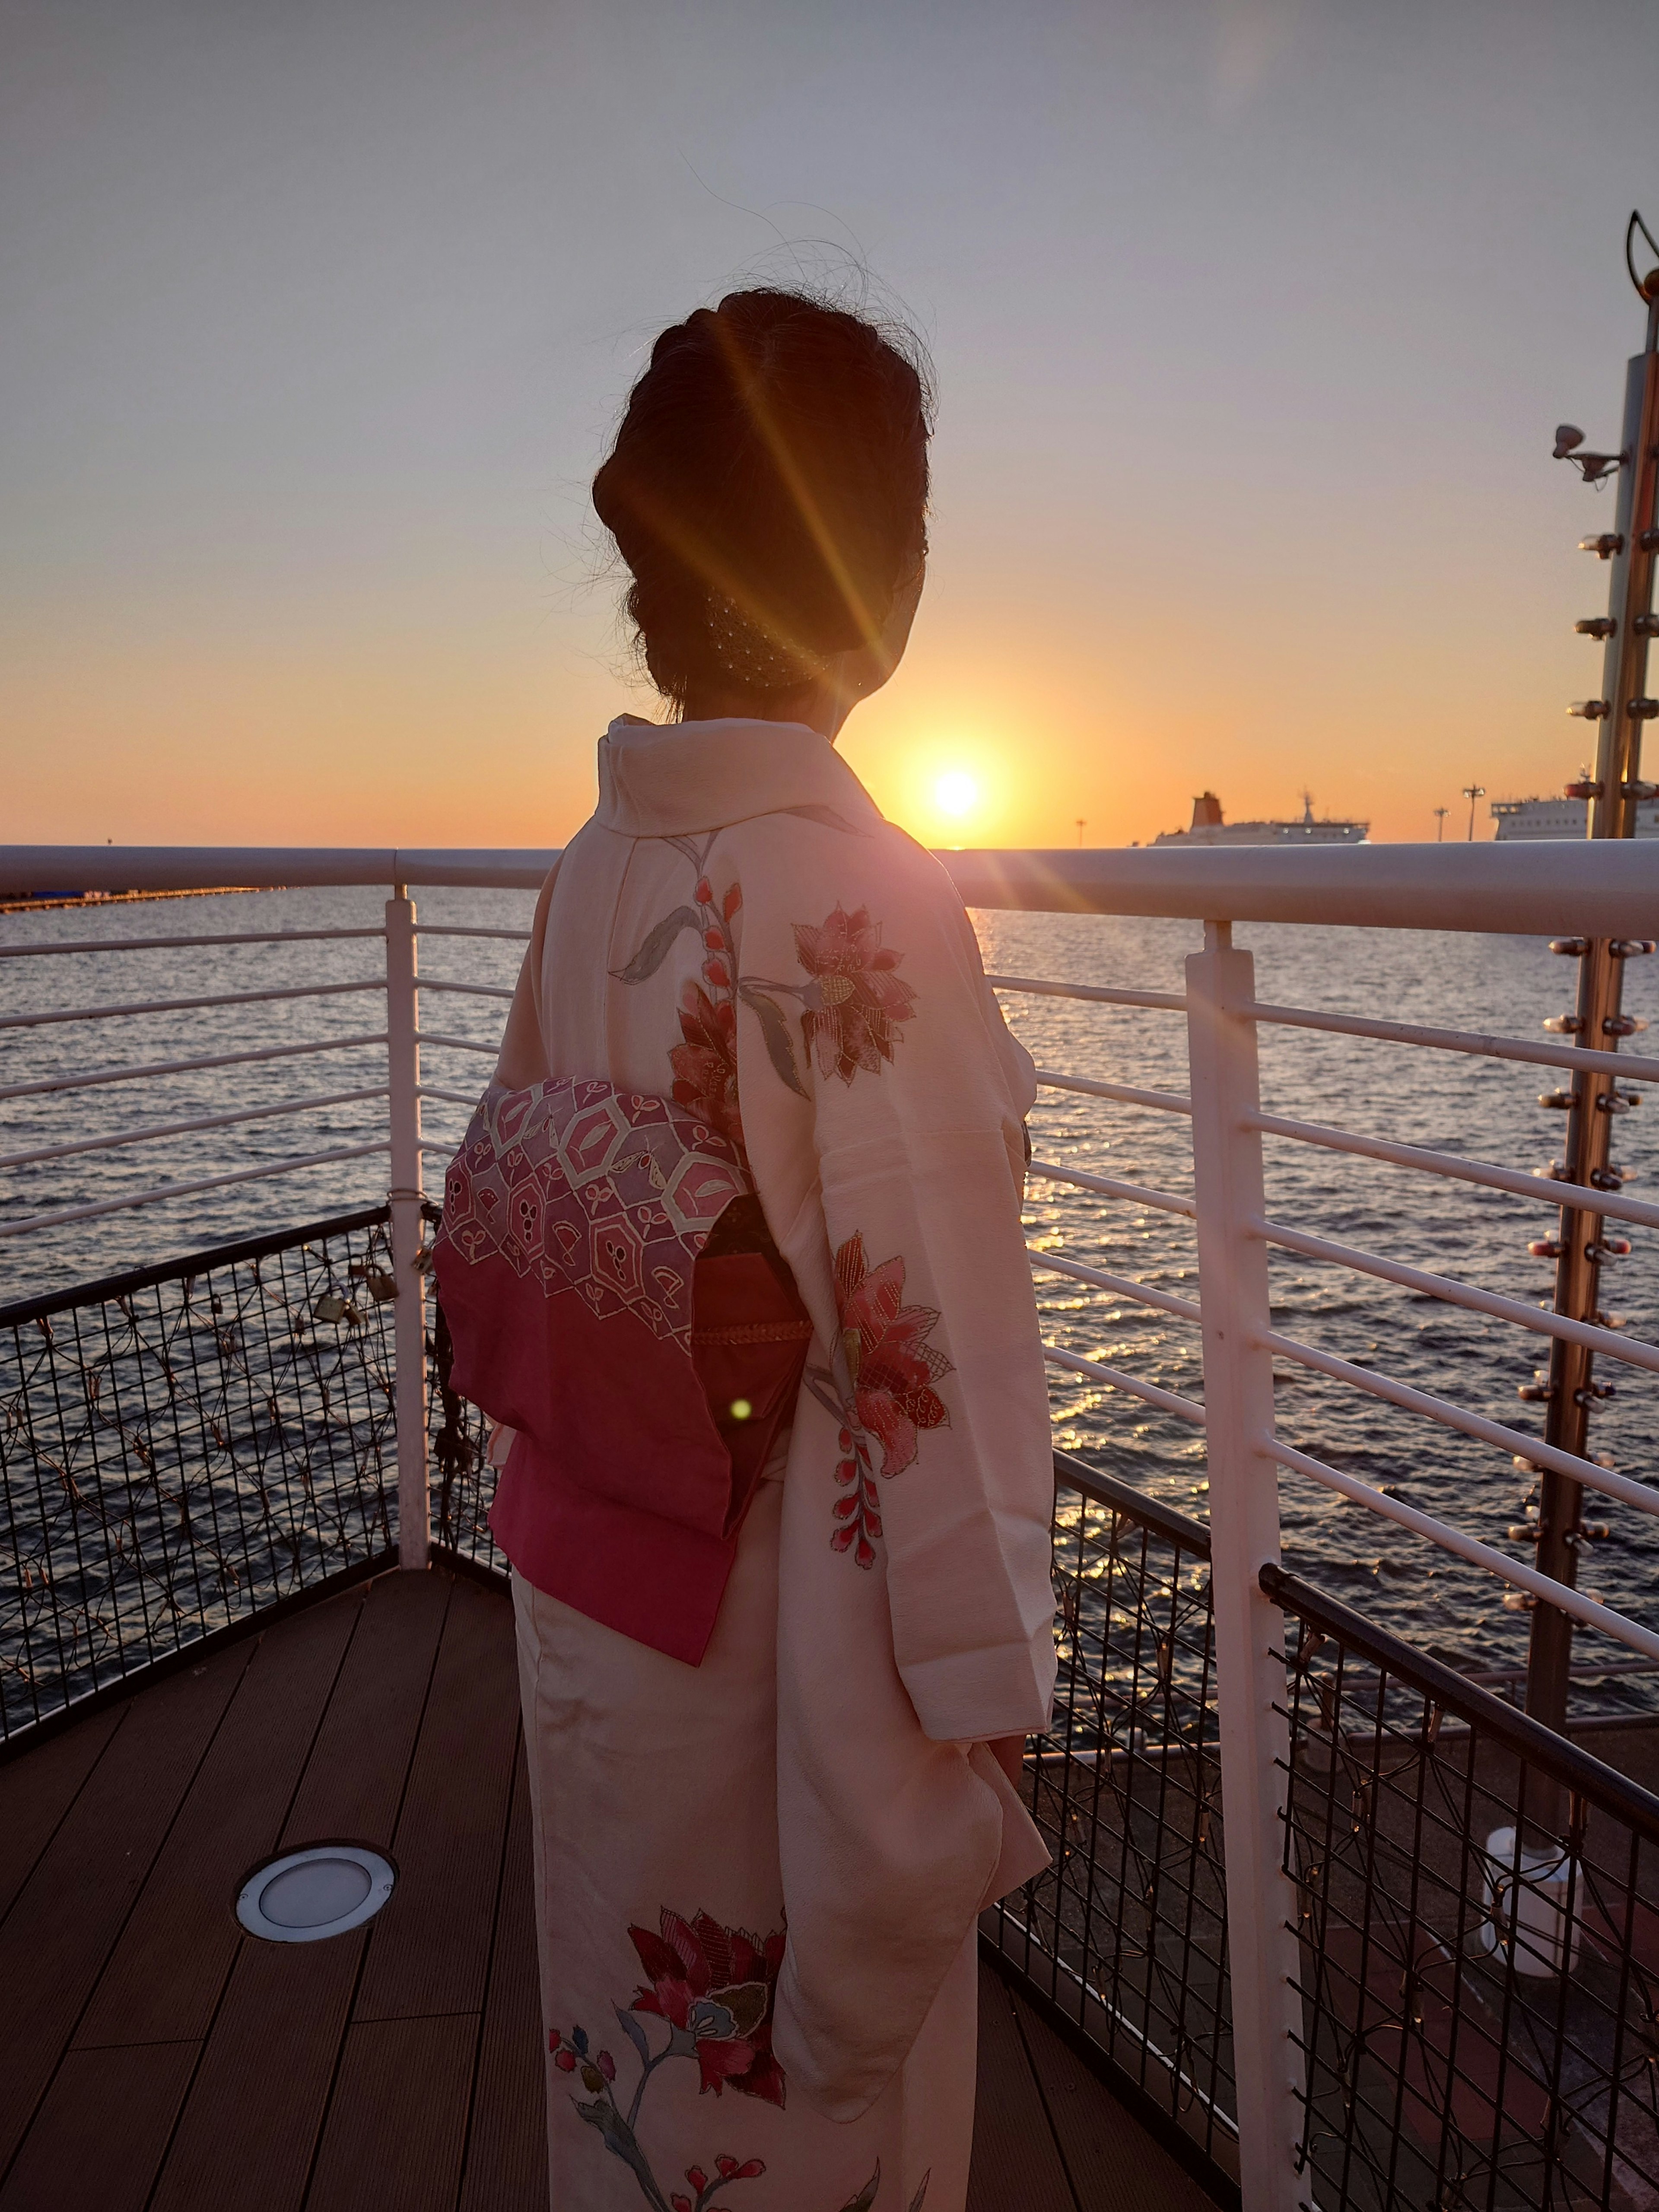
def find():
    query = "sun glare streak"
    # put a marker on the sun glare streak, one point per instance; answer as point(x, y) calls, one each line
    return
point(956, 792)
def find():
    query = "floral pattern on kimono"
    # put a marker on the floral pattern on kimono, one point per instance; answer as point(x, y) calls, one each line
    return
point(889, 1394)
point(851, 1004)
point(853, 1019)
point(715, 1987)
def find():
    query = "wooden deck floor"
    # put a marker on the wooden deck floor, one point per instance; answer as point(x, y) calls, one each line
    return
point(152, 2056)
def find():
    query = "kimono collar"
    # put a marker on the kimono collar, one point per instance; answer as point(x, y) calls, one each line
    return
point(671, 779)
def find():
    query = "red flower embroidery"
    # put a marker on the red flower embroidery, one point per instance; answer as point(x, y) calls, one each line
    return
point(891, 1365)
point(715, 1984)
point(890, 1369)
point(860, 999)
point(706, 1065)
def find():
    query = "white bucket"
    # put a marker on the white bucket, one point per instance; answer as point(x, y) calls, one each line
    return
point(1526, 1918)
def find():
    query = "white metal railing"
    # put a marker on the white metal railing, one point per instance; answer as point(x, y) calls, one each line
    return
point(1610, 889)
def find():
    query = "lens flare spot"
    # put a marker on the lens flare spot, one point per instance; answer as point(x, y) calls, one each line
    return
point(741, 1409)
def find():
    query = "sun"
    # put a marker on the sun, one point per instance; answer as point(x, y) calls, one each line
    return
point(956, 792)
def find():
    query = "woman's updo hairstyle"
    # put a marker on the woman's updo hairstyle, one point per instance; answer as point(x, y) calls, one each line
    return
point(767, 490)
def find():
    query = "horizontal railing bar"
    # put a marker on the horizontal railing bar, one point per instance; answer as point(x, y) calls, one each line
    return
point(1635, 1351)
point(189, 1128)
point(466, 990)
point(1101, 993)
point(1545, 1190)
point(457, 1044)
point(1496, 1722)
point(187, 1006)
point(1119, 1497)
point(107, 1289)
point(1638, 1069)
point(1536, 1452)
point(1582, 1608)
point(1167, 1102)
point(456, 929)
point(171, 944)
point(185, 1066)
point(64, 1213)
point(1165, 1201)
point(1186, 1409)
point(25, 868)
point(449, 1098)
point(1602, 887)
point(444, 1151)
point(1120, 1285)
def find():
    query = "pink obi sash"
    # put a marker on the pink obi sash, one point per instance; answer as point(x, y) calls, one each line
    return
point(612, 1294)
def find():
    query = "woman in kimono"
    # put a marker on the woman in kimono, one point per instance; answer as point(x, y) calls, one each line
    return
point(779, 1661)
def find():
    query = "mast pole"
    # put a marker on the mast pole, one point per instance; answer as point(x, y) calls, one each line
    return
point(1581, 1247)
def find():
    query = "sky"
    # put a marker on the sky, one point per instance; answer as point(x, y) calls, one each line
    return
point(1251, 321)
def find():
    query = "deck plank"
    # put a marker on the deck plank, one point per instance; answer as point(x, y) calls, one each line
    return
point(169, 1970)
point(251, 2126)
point(431, 1954)
point(397, 2123)
point(1114, 2165)
point(506, 2140)
point(70, 1912)
point(100, 2132)
point(37, 1789)
point(1016, 2165)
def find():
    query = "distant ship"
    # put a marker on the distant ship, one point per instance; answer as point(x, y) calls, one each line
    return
point(1523, 819)
point(1207, 828)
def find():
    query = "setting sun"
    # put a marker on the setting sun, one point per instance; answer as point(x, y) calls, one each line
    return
point(956, 792)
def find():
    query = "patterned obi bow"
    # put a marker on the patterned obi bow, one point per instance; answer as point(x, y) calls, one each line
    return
point(612, 1294)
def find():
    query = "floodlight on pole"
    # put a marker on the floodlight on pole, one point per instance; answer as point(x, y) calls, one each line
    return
point(1472, 792)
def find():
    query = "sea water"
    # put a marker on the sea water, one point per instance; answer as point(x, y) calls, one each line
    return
point(1487, 1109)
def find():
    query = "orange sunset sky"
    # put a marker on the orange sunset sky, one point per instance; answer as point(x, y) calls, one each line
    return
point(1251, 319)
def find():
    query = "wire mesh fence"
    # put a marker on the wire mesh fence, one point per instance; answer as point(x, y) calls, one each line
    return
point(184, 1446)
point(1479, 1938)
point(1125, 1935)
point(463, 1481)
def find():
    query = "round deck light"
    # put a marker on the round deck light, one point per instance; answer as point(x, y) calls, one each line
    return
point(320, 1890)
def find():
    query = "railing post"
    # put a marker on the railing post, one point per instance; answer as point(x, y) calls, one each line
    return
point(403, 1071)
point(1250, 1691)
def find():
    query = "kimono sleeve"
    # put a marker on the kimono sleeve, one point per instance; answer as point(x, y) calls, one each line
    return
point(946, 1472)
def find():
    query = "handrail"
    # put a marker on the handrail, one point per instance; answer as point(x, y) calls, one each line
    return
point(459, 1044)
point(186, 1006)
point(154, 1130)
point(1168, 1401)
point(1100, 1278)
point(1586, 1609)
point(102, 1075)
point(1532, 1450)
point(1545, 1188)
point(1608, 888)
point(162, 1192)
point(1635, 1351)
point(1124, 1094)
point(1108, 1186)
point(465, 990)
point(1474, 1042)
point(29, 870)
point(172, 944)
point(1604, 888)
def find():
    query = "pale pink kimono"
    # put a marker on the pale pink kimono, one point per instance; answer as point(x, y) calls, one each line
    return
point(758, 1879)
